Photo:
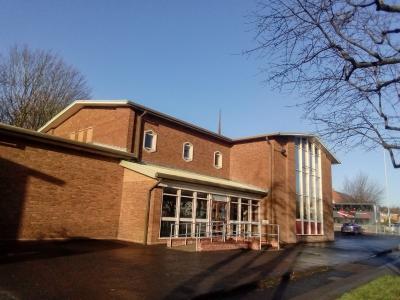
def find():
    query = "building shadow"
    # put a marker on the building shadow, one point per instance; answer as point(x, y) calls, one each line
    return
point(14, 180)
point(19, 251)
point(263, 272)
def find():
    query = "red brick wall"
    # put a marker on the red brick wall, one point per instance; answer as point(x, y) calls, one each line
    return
point(111, 126)
point(327, 196)
point(52, 192)
point(170, 139)
point(133, 206)
point(250, 163)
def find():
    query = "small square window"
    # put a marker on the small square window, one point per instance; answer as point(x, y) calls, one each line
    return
point(217, 160)
point(149, 141)
point(187, 152)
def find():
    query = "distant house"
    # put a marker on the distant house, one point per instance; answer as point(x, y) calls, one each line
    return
point(344, 210)
point(116, 169)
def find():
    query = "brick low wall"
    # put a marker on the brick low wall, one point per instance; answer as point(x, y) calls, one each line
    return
point(52, 192)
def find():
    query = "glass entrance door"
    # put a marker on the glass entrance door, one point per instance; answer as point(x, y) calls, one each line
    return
point(219, 210)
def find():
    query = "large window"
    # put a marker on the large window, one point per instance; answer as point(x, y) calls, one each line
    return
point(309, 212)
point(149, 141)
point(189, 209)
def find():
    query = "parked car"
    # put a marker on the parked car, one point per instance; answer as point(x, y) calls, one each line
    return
point(351, 228)
point(394, 228)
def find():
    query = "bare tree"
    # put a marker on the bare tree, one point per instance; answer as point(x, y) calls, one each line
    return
point(35, 85)
point(361, 189)
point(344, 55)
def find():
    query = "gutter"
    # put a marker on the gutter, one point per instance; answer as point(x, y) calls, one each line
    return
point(147, 211)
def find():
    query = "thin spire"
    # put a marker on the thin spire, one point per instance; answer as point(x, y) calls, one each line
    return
point(219, 123)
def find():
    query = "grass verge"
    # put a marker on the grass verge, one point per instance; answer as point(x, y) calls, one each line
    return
point(383, 288)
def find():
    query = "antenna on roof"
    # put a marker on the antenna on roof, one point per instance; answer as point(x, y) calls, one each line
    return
point(219, 123)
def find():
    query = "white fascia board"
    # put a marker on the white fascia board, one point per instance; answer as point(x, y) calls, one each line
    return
point(157, 172)
point(75, 106)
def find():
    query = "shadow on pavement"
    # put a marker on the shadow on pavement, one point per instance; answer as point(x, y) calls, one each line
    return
point(20, 251)
point(263, 272)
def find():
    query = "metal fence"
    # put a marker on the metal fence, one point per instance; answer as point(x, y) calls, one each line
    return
point(222, 231)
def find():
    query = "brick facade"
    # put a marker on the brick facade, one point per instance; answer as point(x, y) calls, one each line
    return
point(52, 192)
point(66, 193)
point(170, 141)
point(111, 126)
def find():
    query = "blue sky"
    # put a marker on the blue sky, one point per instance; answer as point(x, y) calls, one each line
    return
point(180, 57)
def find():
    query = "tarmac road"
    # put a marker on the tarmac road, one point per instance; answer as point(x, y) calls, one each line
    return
point(90, 269)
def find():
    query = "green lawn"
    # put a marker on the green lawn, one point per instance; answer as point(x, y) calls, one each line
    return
point(382, 288)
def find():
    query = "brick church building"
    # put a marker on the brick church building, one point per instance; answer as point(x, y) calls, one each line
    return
point(119, 170)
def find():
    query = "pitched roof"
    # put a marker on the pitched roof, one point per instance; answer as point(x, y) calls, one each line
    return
point(61, 142)
point(158, 172)
point(338, 197)
point(78, 104)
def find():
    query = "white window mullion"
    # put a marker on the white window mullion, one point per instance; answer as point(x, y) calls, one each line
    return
point(178, 211)
point(300, 177)
point(314, 192)
point(307, 192)
point(194, 209)
point(240, 215)
point(320, 200)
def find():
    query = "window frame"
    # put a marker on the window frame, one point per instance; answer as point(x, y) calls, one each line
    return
point(246, 226)
point(153, 147)
point(309, 198)
point(190, 158)
point(219, 165)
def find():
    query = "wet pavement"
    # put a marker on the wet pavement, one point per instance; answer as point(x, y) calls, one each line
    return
point(90, 269)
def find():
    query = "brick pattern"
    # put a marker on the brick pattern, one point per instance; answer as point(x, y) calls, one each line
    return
point(52, 192)
point(111, 126)
point(260, 162)
point(133, 206)
point(250, 163)
point(170, 139)
point(327, 197)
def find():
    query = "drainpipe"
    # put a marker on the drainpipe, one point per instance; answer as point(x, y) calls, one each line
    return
point(147, 212)
point(272, 149)
point(138, 133)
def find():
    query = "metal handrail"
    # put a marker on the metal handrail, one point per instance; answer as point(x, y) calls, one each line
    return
point(212, 232)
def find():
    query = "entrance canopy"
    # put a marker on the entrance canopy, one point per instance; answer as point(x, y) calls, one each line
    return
point(158, 172)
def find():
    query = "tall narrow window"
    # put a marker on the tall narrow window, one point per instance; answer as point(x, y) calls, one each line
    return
point(309, 212)
point(187, 151)
point(149, 141)
point(217, 159)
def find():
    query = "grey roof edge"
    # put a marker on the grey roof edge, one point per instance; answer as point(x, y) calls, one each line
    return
point(62, 142)
point(334, 159)
point(78, 104)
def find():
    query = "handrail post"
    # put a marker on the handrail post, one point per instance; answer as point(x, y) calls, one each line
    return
point(259, 233)
point(236, 232)
point(196, 234)
point(223, 231)
point(211, 232)
point(170, 236)
point(278, 238)
point(186, 231)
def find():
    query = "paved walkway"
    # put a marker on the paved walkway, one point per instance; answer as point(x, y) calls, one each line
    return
point(90, 269)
